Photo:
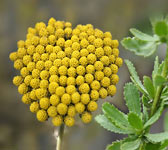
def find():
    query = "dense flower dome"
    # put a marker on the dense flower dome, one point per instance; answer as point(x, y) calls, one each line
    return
point(64, 71)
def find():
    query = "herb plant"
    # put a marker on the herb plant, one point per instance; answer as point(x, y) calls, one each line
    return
point(145, 101)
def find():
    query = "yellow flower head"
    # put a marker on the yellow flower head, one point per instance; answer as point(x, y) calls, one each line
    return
point(65, 70)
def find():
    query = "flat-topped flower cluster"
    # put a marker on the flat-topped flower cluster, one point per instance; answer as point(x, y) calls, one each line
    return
point(64, 71)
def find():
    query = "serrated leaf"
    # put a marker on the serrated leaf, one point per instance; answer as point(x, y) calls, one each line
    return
point(166, 122)
point(149, 87)
point(151, 146)
point(155, 117)
point(132, 97)
point(159, 80)
point(145, 114)
point(119, 118)
point(105, 123)
point(142, 36)
point(114, 146)
point(135, 121)
point(161, 28)
point(158, 137)
point(160, 68)
point(139, 47)
point(146, 101)
point(133, 145)
point(135, 77)
point(156, 67)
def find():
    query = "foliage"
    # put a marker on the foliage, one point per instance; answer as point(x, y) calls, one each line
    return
point(145, 101)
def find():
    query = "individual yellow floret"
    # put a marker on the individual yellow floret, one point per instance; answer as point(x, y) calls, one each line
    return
point(40, 49)
point(68, 32)
point(26, 98)
point(33, 94)
point(112, 59)
point(84, 88)
point(98, 33)
point(53, 78)
point(40, 25)
point(91, 39)
point(85, 98)
point(92, 106)
point(80, 107)
point(48, 64)
point(71, 72)
point(34, 107)
point(86, 117)
point(83, 35)
point(36, 57)
point(119, 62)
point(35, 73)
point(75, 97)
point(107, 41)
point(31, 50)
point(103, 93)
point(59, 33)
point(53, 70)
point(91, 58)
point(90, 69)
point(57, 62)
point(80, 80)
point(63, 80)
point(107, 50)
point(68, 24)
point(35, 40)
point(98, 42)
point(17, 80)
point(31, 66)
point(71, 81)
point(62, 70)
point(62, 109)
point(13, 56)
point(66, 99)
point(105, 60)
point(50, 29)
point(40, 65)
point(61, 54)
point(52, 87)
point(42, 115)
point(27, 80)
point(99, 75)
point(107, 35)
point(70, 89)
point(74, 39)
point(95, 85)
point(26, 59)
point(75, 31)
point(18, 64)
point(114, 68)
point(71, 111)
point(112, 90)
point(105, 82)
point(99, 52)
point(57, 121)
point(44, 103)
point(69, 121)
point(68, 43)
point(21, 52)
point(76, 46)
point(20, 44)
point(84, 43)
point(65, 61)
point(107, 71)
point(114, 43)
point(54, 100)
point(52, 57)
point(40, 93)
point(114, 79)
point(84, 52)
point(52, 21)
point(68, 51)
point(98, 65)
point(83, 61)
point(44, 74)
point(52, 111)
point(43, 32)
point(60, 90)
point(75, 54)
point(49, 49)
point(52, 39)
point(34, 83)
point(60, 42)
point(22, 89)
point(94, 95)
point(91, 48)
point(80, 70)
point(44, 41)
point(28, 43)
point(44, 84)
point(73, 62)
point(89, 78)
point(59, 24)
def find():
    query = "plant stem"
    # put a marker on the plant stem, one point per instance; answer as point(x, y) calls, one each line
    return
point(60, 137)
point(160, 88)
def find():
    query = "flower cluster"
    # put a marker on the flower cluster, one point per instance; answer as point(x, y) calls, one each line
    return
point(64, 71)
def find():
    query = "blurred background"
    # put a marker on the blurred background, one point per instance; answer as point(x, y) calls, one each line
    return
point(19, 129)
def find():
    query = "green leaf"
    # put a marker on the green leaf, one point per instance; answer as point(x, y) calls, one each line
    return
point(132, 97)
point(146, 101)
point(156, 67)
point(149, 87)
point(159, 80)
point(158, 137)
point(161, 28)
point(164, 145)
point(135, 121)
point(105, 123)
point(166, 122)
point(119, 118)
point(134, 77)
point(142, 36)
point(155, 117)
point(139, 47)
point(145, 114)
point(160, 68)
point(133, 145)
point(114, 146)
point(151, 146)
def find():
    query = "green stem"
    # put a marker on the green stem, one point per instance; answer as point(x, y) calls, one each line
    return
point(160, 88)
point(60, 137)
